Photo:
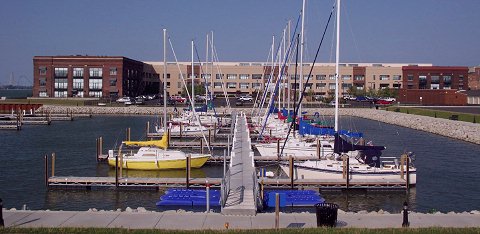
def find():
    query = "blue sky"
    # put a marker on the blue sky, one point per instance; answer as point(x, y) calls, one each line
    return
point(442, 32)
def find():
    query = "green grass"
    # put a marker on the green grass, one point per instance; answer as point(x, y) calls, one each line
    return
point(296, 230)
point(436, 113)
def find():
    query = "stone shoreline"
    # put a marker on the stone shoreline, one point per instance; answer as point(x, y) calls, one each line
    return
point(460, 130)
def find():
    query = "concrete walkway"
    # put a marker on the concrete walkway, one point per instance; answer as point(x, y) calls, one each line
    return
point(240, 200)
point(196, 221)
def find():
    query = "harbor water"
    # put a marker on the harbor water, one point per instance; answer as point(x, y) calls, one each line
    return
point(447, 169)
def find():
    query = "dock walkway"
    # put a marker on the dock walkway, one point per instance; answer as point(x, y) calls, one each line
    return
point(241, 199)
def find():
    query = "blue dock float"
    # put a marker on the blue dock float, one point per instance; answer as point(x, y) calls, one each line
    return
point(293, 198)
point(189, 197)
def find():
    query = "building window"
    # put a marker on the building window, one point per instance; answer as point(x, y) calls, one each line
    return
point(397, 77)
point(231, 85)
point(95, 84)
point(78, 94)
point(346, 86)
point(256, 76)
point(77, 72)
point(61, 72)
point(244, 76)
point(320, 85)
point(113, 81)
point(61, 83)
point(42, 81)
point(410, 77)
point(206, 76)
point(168, 75)
point(305, 77)
point(60, 94)
point(95, 94)
point(346, 77)
point(384, 77)
point(359, 77)
point(460, 78)
point(42, 94)
point(77, 83)
point(422, 80)
point(231, 76)
point(96, 72)
point(42, 71)
point(397, 85)
point(113, 71)
point(217, 85)
point(168, 85)
point(219, 76)
point(384, 86)
point(243, 85)
point(331, 77)
point(256, 85)
point(321, 77)
point(331, 86)
point(435, 79)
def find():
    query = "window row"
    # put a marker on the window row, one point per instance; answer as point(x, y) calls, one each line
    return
point(77, 72)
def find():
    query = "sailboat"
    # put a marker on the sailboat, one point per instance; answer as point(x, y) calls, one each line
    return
point(366, 166)
point(154, 155)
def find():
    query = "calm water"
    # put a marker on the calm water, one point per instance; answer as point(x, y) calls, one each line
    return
point(447, 176)
point(15, 93)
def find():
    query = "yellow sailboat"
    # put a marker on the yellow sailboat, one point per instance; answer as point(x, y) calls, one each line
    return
point(154, 155)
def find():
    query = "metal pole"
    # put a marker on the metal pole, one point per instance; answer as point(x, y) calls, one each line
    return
point(277, 210)
point(337, 60)
point(208, 197)
point(164, 80)
point(301, 58)
point(290, 160)
point(224, 162)
point(193, 83)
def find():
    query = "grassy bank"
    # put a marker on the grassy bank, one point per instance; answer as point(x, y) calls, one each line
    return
point(300, 230)
point(437, 113)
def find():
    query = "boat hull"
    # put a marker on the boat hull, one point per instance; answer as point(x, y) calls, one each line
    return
point(136, 164)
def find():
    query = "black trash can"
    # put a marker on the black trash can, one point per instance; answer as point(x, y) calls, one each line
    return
point(326, 214)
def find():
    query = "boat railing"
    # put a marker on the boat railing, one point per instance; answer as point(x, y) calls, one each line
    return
point(225, 188)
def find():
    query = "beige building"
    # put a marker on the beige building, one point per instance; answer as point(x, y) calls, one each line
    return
point(246, 77)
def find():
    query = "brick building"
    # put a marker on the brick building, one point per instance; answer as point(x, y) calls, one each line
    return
point(474, 78)
point(92, 76)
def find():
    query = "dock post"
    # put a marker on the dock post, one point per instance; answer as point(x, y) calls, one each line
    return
point(290, 160)
point(181, 129)
point(214, 131)
point(128, 134)
point(270, 134)
point(348, 172)
point(201, 145)
point(116, 171)
point(408, 172)
point(2, 223)
point(402, 162)
point(46, 171)
point(344, 165)
point(100, 146)
point(209, 137)
point(318, 149)
point(188, 171)
point(277, 210)
point(169, 137)
point(97, 149)
point(224, 162)
point(278, 149)
point(147, 131)
point(53, 164)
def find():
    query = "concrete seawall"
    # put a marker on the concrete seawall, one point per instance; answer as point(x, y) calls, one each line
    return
point(460, 130)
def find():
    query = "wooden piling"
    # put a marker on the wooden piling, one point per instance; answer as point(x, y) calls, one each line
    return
point(209, 136)
point(181, 129)
point(97, 142)
point(188, 171)
point(53, 164)
point(318, 149)
point(46, 170)
point(407, 158)
point(402, 162)
point(348, 172)
point(201, 145)
point(278, 149)
point(169, 139)
point(116, 171)
point(214, 131)
point(147, 130)
point(290, 163)
point(344, 167)
point(127, 134)
point(100, 146)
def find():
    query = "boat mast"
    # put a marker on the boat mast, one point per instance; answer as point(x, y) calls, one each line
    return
point(206, 72)
point(301, 60)
point(288, 76)
point(193, 83)
point(164, 80)
point(337, 59)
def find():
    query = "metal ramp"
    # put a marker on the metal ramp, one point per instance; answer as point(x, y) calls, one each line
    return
point(241, 185)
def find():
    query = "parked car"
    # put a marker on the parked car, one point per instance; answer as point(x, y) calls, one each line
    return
point(139, 101)
point(383, 102)
point(361, 99)
point(130, 101)
point(245, 98)
point(123, 99)
point(178, 98)
point(390, 99)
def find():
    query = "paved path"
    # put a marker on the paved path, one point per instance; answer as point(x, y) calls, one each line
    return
point(240, 200)
point(189, 221)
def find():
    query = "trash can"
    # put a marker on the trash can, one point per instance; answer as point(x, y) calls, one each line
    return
point(326, 214)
